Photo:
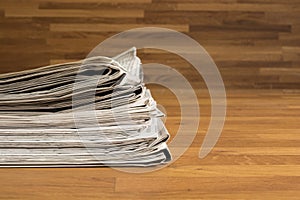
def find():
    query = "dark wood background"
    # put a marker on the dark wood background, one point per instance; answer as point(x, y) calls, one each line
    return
point(255, 43)
point(256, 46)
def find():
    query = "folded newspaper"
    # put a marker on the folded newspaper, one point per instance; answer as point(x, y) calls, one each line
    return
point(94, 112)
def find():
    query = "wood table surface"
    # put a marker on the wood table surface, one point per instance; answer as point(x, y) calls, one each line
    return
point(256, 46)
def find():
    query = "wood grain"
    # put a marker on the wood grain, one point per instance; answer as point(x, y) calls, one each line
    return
point(256, 46)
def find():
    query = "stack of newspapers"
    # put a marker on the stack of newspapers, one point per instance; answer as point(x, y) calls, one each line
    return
point(94, 112)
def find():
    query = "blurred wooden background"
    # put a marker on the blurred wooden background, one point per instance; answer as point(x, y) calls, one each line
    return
point(255, 43)
point(256, 46)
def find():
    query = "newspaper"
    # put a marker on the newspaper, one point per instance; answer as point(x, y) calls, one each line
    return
point(46, 120)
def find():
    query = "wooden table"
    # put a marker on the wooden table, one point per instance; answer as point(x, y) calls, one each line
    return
point(255, 44)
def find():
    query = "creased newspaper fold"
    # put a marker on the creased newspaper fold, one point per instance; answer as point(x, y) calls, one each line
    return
point(37, 125)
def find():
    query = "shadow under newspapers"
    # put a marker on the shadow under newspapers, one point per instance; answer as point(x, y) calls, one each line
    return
point(45, 121)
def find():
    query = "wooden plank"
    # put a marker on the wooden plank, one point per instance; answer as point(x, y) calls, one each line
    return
point(111, 27)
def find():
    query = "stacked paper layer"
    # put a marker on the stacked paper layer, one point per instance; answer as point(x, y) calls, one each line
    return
point(89, 113)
